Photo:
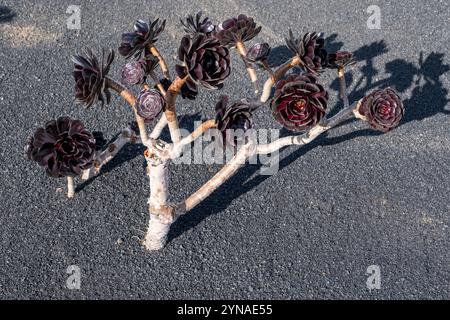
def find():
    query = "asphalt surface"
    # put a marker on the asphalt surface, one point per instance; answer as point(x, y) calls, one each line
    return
point(352, 199)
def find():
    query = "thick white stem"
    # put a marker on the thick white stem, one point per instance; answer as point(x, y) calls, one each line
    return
point(142, 129)
point(156, 236)
point(292, 140)
point(254, 79)
point(343, 86)
point(70, 188)
point(175, 131)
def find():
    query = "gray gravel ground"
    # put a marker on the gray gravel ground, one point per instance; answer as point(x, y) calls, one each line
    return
point(352, 199)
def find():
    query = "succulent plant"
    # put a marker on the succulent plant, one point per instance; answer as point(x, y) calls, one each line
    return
point(197, 25)
point(136, 72)
point(240, 29)
point(340, 59)
point(383, 109)
point(64, 147)
point(310, 48)
point(205, 60)
point(144, 35)
point(133, 73)
point(90, 77)
point(149, 104)
point(300, 102)
point(258, 52)
point(230, 118)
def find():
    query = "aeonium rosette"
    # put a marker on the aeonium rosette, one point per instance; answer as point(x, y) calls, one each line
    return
point(138, 42)
point(197, 25)
point(234, 30)
point(204, 60)
point(234, 120)
point(149, 104)
point(136, 72)
point(63, 147)
point(310, 49)
point(382, 109)
point(340, 59)
point(90, 77)
point(259, 52)
point(300, 102)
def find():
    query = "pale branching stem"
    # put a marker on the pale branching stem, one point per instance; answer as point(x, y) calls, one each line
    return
point(309, 136)
point(70, 187)
point(220, 178)
point(162, 123)
point(292, 140)
point(240, 47)
point(171, 112)
point(131, 99)
point(343, 115)
point(198, 132)
point(110, 152)
point(159, 127)
point(343, 86)
point(163, 215)
point(279, 73)
point(162, 62)
point(251, 149)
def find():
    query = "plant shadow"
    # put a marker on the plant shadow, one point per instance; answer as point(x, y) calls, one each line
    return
point(6, 14)
point(428, 98)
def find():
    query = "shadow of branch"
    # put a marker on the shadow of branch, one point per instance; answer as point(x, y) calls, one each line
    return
point(6, 14)
point(428, 98)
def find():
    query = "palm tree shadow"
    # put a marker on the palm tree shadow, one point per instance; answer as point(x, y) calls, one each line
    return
point(423, 79)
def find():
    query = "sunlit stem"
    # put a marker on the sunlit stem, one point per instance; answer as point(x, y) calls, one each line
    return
point(131, 99)
point(240, 47)
point(70, 188)
point(162, 62)
point(171, 112)
point(275, 76)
